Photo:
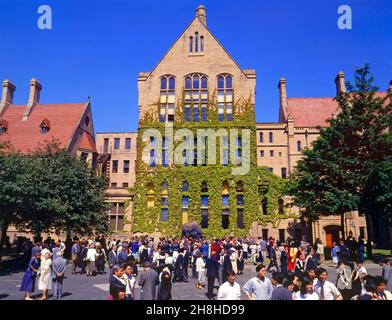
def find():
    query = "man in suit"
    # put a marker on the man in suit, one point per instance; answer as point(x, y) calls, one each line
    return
point(212, 266)
point(148, 282)
point(112, 260)
point(58, 269)
point(227, 267)
point(280, 292)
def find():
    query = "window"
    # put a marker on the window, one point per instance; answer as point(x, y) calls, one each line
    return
point(225, 219)
point(204, 205)
point(299, 146)
point(150, 196)
point(164, 215)
point(362, 232)
point(165, 152)
point(113, 185)
point(106, 145)
point(271, 137)
point(261, 153)
point(240, 200)
point(125, 184)
point(204, 201)
point(116, 143)
point(225, 97)
point(264, 206)
point(45, 126)
point(282, 235)
point(225, 194)
point(152, 153)
point(185, 201)
point(114, 166)
point(284, 173)
point(3, 126)
point(190, 44)
point(281, 206)
point(116, 216)
point(201, 44)
point(261, 137)
point(44, 130)
point(164, 202)
point(126, 166)
point(271, 170)
point(196, 97)
point(196, 42)
point(265, 234)
point(204, 218)
point(185, 186)
point(127, 143)
point(240, 218)
point(167, 101)
point(271, 153)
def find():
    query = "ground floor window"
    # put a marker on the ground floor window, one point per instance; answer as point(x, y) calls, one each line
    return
point(240, 218)
point(204, 218)
point(282, 235)
point(225, 219)
point(265, 234)
point(116, 216)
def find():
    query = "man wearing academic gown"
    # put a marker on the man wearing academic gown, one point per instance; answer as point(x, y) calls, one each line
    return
point(58, 269)
point(148, 282)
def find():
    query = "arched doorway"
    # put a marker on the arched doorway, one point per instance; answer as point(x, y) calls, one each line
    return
point(332, 234)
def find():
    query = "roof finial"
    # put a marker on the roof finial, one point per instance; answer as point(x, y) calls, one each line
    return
point(201, 13)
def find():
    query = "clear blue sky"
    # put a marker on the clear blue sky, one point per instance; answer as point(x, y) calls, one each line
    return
point(96, 48)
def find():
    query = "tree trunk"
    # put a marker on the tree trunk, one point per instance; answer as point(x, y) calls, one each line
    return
point(342, 225)
point(3, 234)
point(370, 230)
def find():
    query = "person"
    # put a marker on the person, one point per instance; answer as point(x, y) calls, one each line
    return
point(306, 291)
point(101, 258)
point(361, 270)
point(283, 260)
point(230, 290)
point(227, 267)
point(273, 259)
point(233, 259)
point(356, 283)
point(129, 280)
point(75, 250)
point(90, 259)
point(292, 256)
point(30, 275)
point(280, 292)
point(386, 270)
point(370, 289)
point(240, 260)
point(311, 274)
point(143, 253)
point(212, 267)
point(309, 261)
point(179, 267)
point(148, 282)
point(324, 288)
point(59, 266)
point(112, 259)
point(116, 282)
point(259, 287)
point(320, 251)
point(45, 277)
point(344, 252)
point(200, 269)
point(382, 293)
point(195, 255)
point(122, 256)
point(165, 285)
point(343, 280)
point(83, 258)
point(335, 254)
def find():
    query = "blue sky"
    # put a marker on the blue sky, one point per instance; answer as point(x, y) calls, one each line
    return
point(96, 48)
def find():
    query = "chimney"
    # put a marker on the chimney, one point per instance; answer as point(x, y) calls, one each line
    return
point(7, 97)
point(340, 83)
point(35, 91)
point(283, 100)
point(201, 14)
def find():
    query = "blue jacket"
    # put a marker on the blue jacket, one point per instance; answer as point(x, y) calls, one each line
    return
point(212, 266)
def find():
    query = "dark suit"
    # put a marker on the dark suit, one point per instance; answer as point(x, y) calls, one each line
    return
point(281, 293)
point(227, 268)
point(212, 266)
point(148, 281)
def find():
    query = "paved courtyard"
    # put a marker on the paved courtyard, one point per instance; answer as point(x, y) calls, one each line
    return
point(81, 287)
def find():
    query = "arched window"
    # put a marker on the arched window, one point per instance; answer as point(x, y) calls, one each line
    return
point(150, 196)
point(225, 205)
point(185, 202)
point(201, 44)
point(240, 204)
point(196, 42)
point(165, 147)
point(225, 97)
point(185, 186)
point(299, 146)
point(271, 137)
point(190, 44)
point(281, 206)
point(284, 173)
point(264, 206)
point(164, 202)
point(168, 90)
point(261, 137)
point(152, 152)
point(196, 97)
point(204, 205)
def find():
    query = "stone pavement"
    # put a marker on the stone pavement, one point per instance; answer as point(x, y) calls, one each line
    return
point(81, 287)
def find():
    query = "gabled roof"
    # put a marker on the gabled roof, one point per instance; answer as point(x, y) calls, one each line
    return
point(313, 112)
point(87, 143)
point(248, 73)
point(25, 135)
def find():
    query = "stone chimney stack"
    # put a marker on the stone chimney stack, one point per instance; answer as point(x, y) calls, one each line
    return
point(283, 99)
point(340, 83)
point(35, 91)
point(7, 97)
point(201, 13)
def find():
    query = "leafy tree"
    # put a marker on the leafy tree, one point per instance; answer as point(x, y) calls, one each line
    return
point(332, 175)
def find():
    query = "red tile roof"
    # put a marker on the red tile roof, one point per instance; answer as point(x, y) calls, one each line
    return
point(313, 112)
point(87, 143)
point(26, 135)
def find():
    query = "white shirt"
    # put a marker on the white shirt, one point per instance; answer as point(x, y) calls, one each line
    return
point(245, 247)
point(129, 283)
point(330, 290)
point(229, 292)
point(91, 254)
point(200, 264)
point(307, 296)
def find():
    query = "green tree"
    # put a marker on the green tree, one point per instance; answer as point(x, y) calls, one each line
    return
point(331, 177)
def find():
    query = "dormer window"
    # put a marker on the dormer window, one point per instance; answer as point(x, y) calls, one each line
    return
point(45, 126)
point(3, 126)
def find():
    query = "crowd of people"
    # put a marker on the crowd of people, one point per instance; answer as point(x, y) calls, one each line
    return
point(297, 270)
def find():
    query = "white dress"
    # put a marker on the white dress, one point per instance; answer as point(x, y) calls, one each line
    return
point(45, 275)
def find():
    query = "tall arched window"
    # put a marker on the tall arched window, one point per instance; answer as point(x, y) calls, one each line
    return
point(225, 97)
point(165, 151)
point(261, 137)
point(164, 202)
point(168, 91)
point(190, 44)
point(196, 42)
point(196, 97)
point(201, 44)
point(299, 146)
point(150, 196)
point(153, 160)
point(185, 202)
point(240, 204)
point(225, 205)
point(271, 137)
point(204, 205)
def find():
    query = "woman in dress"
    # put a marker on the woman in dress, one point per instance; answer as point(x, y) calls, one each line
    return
point(306, 291)
point(292, 256)
point(45, 276)
point(240, 261)
point(28, 282)
point(233, 259)
point(164, 288)
point(101, 259)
